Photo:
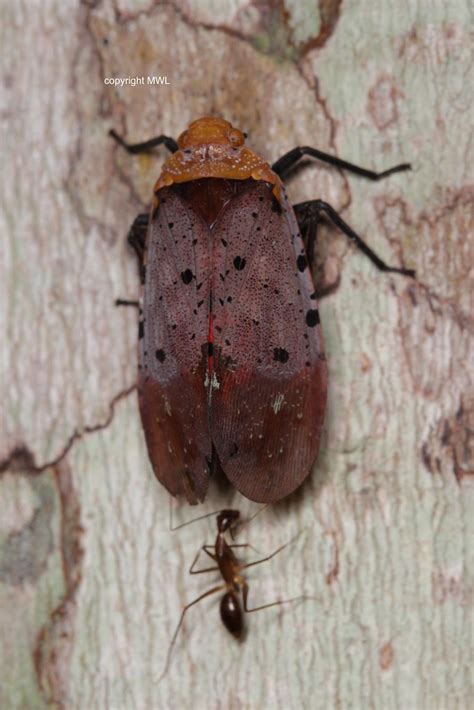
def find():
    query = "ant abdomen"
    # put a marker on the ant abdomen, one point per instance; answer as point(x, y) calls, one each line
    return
point(231, 614)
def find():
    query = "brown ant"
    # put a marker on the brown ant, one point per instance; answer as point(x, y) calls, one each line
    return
point(234, 582)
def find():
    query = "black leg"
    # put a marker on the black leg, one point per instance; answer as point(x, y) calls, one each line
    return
point(145, 146)
point(287, 161)
point(309, 230)
point(137, 240)
point(137, 235)
point(308, 213)
point(126, 302)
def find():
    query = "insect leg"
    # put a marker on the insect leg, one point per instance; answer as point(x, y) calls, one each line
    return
point(245, 593)
point(207, 569)
point(245, 544)
point(269, 557)
point(308, 212)
point(206, 549)
point(137, 235)
point(145, 146)
point(181, 619)
point(243, 523)
point(287, 161)
point(309, 232)
point(137, 239)
point(126, 302)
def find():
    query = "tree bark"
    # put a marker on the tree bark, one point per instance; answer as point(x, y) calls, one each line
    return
point(92, 582)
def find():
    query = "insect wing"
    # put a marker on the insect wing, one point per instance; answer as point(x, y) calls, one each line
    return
point(173, 328)
point(269, 391)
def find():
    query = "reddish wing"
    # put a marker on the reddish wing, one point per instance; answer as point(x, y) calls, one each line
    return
point(174, 326)
point(269, 391)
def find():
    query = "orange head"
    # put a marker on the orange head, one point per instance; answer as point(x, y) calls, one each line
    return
point(208, 131)
point(211, 148)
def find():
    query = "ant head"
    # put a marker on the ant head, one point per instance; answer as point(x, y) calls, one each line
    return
point(226, 519)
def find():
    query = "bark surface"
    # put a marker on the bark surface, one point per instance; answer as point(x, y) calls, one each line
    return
point(92, 581)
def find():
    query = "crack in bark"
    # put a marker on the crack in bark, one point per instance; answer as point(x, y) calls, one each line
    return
point(54, 643)
point(22, 458)
point(274, 15)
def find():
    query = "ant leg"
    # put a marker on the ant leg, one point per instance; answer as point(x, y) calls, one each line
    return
point(245, 592)
point(207, 569)
point(245, 544)
point(269, 557)
point(243, 523)
point(207, 549)
point(308, 213)
point(289, 160)
point(145, 146)
point(214, 590)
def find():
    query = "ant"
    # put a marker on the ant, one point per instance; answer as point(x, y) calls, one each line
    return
point(234, 582)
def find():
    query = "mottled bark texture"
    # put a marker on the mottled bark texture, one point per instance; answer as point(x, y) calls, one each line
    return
point(91, 580)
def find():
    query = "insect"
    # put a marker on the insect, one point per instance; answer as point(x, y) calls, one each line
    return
point(232, 372)
point(234, 583)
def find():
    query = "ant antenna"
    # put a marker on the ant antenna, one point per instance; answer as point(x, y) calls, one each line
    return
point(188, 522)
point(249, 520)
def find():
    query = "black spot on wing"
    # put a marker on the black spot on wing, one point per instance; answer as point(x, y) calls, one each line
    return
point(239, 263)
point(280, 355)
point(187, 276)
